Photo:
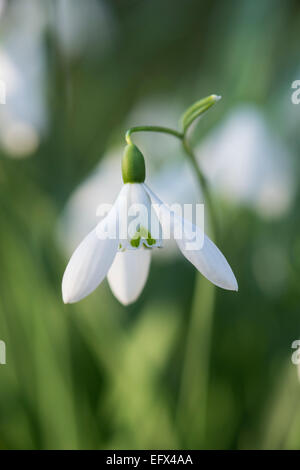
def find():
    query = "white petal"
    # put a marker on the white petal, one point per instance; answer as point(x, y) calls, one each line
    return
point(163, 213)
point(208, 260)
point(128, 274)
point(88, 265)
point(138, 195)
point(137, 220)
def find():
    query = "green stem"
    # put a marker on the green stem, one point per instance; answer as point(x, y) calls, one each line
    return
point(192, 401)
point(203, 185)
point(163, 130)
point(191, 413)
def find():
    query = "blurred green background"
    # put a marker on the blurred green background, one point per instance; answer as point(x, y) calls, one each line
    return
point(189, 365)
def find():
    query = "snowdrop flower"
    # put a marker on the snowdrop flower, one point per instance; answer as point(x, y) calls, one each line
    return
point(122, 255)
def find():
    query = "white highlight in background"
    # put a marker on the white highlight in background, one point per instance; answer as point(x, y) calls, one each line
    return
point(2, 92)
point(2, 352)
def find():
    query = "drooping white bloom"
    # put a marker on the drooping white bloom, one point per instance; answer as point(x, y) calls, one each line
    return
point(261, 172)
point(123, 252)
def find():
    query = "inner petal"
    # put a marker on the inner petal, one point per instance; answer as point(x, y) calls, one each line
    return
point(138, 223)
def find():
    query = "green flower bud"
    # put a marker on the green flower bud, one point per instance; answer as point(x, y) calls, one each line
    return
point(133, 165)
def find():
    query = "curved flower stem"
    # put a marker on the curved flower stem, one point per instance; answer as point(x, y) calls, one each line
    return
point(163, 130)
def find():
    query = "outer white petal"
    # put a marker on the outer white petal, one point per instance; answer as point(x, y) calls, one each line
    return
point(208, 260)
point(91, 261)
point(128, 274)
